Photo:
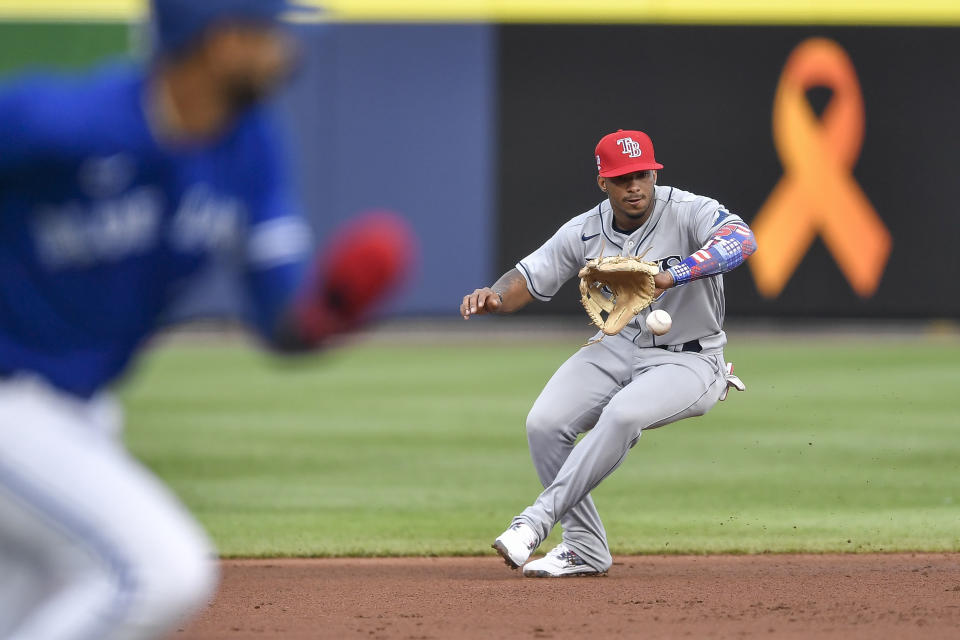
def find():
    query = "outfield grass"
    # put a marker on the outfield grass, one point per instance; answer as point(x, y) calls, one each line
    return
point(412, 449)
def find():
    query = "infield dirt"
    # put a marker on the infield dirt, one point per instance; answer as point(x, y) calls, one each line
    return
point(768, 596)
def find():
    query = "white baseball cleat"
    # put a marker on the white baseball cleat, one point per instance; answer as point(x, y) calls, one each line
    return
point(732, 382)
point(560, 562)
point(516, 544)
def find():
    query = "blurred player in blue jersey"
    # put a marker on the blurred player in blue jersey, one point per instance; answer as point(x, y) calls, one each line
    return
point(115, 190)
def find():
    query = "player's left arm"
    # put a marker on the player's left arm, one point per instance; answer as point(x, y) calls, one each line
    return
point(730, 242)
point(301, 297)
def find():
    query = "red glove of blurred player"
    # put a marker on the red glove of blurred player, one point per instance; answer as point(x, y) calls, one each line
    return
point(364, 261)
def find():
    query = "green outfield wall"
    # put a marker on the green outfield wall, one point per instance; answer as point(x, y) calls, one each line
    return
point(59, 44)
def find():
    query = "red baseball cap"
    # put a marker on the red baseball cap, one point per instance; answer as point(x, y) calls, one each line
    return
point(624, 152)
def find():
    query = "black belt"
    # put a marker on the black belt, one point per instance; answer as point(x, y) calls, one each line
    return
point(693, 345)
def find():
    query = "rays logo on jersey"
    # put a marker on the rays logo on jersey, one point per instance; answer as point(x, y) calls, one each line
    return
point(631, 148)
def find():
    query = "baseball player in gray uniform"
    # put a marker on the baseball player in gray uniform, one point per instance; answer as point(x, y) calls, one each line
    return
point(615, 388)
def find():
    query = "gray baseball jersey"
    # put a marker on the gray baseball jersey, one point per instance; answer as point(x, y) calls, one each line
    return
point(681, 223)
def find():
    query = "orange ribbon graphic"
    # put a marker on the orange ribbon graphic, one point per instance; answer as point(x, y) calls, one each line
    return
point(818, 194)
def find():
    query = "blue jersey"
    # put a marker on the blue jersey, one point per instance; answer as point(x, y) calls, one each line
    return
point(101, 226)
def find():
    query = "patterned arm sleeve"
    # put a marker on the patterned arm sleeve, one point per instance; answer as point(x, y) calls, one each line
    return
point(730, 245)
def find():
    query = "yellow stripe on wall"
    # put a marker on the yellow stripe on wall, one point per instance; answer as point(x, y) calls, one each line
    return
point(67, 10)
point(872, 12)
point(657, 11)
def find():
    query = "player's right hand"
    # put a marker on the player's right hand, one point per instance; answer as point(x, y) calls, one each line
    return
point(479, 302)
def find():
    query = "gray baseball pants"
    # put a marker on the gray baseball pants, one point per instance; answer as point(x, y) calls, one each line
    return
point(613, 390)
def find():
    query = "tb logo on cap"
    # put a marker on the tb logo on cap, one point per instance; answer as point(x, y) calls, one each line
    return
point(619, 153)
point(631, 148)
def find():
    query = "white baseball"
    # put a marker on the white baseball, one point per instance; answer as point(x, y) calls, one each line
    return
point(659, 322)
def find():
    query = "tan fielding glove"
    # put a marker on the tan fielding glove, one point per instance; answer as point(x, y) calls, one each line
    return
point(629, 279)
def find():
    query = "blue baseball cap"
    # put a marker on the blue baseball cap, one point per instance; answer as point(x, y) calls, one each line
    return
point(178, 23)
